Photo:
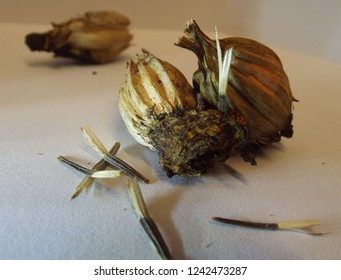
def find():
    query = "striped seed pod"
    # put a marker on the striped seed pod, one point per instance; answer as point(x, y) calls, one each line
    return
point(246, 76)
point(161, 111)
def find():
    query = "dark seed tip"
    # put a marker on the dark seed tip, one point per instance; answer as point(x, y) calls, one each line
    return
point(35, 41)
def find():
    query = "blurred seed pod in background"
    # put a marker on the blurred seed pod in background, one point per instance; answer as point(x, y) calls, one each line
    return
point(95, 37)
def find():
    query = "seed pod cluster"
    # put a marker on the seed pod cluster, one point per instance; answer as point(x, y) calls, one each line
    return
point(240, 100)
point(95, 37)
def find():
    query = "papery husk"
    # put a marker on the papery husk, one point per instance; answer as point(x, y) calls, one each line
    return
point(151, 89)
point(95, 37)
point(258, 87)
point(161, 111)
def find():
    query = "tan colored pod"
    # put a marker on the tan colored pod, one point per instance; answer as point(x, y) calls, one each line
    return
point(160, 110)
point(152, 88)
point(257, 85)
point(95, 37)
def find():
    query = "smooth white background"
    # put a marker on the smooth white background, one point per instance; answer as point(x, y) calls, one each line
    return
point(45, 101)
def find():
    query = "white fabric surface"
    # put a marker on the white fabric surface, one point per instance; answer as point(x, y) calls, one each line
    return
point(45, 101)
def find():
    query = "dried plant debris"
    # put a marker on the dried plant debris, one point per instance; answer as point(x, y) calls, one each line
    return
point(107, 156)
point(88, 180)
point(305, 226)
point(96, 174)
point(240, 100)
point(146, 221)
point(98, 171)
point(95, 37)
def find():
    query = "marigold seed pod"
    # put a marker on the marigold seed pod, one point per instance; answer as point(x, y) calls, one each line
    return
point(256, 85)
point(95, 37)
point(152, 88)
point(161, 111)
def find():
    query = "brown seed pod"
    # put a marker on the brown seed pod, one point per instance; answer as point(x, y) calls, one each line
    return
point(243, 75)
point(241, 100)
point(160, 110)
point(95, 37)
point(151, 89)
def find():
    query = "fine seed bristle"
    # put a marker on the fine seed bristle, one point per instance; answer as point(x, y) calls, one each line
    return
point(297, 224)
point(224, 64)
point(107, 174)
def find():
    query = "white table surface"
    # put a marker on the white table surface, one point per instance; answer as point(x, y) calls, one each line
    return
point(45, 101)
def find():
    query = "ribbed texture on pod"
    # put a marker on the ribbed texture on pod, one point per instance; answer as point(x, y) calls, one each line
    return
point(160, 110)
point(258, 88)
point(151, 89)
point(95, 37)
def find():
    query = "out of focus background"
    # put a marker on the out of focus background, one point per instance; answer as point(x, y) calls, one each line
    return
point(309, 26)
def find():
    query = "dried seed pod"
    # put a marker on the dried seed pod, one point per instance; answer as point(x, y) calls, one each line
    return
point(151, 89)
point(243, 75)
point(161, 111)
point(96, 37)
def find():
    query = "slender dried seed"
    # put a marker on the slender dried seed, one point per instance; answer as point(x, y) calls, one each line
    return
point(101, 165)
point(301, 226)
point(75, 165)
point(117, 162)
point(113, 160)
point(270, 226)
point(93, 174)
point(146, 221)
point(155, 236)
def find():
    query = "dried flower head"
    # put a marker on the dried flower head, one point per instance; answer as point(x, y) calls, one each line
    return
point(95, 37)
point(243, 75)
point(161, 111)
